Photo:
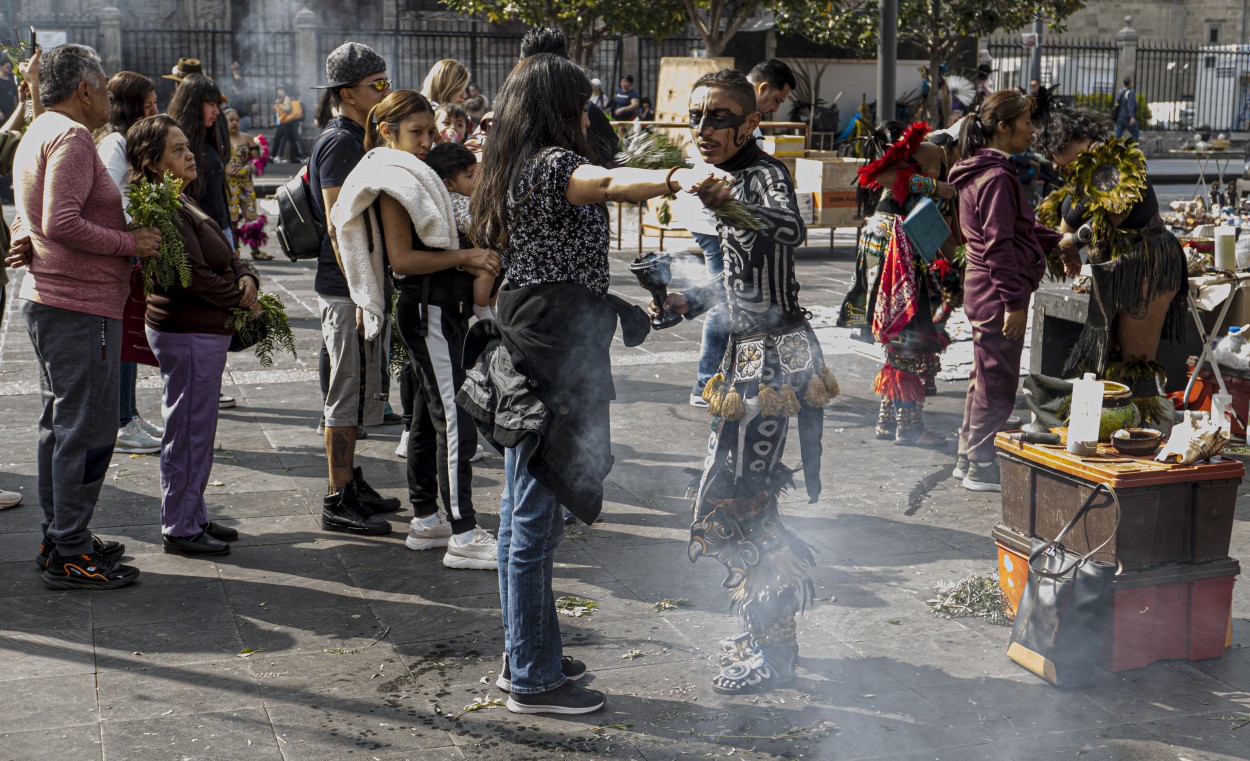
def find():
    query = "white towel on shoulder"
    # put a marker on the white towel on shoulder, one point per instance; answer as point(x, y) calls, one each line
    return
point(408, 180)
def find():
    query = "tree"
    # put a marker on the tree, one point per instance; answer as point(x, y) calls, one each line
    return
point(585, 23)
point(717, 21)
point(936, 26)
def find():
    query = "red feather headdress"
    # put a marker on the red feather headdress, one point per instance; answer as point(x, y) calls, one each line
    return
point(896, 155)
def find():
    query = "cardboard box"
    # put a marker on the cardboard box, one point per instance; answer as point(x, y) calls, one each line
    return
point(784, 145)
point(817, 175)
point(807, 208)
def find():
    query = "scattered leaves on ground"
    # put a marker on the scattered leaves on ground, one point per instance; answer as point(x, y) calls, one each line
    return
point(250, 651)
point(667, 604)
point(343, 651)
point(632, 654)
point(576, 607)
point(978, 596)
point(613, 725)
point(480, 704)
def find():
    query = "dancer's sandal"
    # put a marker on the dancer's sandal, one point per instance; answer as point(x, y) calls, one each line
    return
point(751, 676)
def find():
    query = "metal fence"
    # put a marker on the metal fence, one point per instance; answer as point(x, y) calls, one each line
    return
point(266, 60)
point(1191, 88)
point(1080, 67)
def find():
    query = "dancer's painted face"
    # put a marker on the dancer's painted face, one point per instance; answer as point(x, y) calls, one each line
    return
point(719, 124)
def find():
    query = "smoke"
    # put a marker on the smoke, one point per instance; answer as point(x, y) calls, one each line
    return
point(688, 270)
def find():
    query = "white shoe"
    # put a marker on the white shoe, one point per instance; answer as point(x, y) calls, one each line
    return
point(478, 553)
point(225, 402)
point(428, 538)
point(152, 428)
point(131, 439)
point(401, 451)
point(9, 499)
point(479, 454)
point(697, 400)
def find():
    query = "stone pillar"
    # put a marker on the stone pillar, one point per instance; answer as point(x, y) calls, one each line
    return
point(1126, 40)
point(310, 66)
point(111, 39)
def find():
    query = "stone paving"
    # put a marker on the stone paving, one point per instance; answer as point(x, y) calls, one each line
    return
point(307, 645)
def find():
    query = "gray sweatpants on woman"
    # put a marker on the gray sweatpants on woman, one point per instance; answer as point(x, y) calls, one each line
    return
point(79, 358)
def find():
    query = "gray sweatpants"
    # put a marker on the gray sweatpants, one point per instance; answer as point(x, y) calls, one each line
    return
point(78, 356)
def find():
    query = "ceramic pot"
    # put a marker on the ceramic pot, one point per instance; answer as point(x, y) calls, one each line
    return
point(1118, 410)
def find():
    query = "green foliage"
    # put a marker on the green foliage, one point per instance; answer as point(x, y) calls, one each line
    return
point(851, 24)
point(585, 23)
point(17, 54)
point(1105, 103)
point(270, 329)
point(154, 204)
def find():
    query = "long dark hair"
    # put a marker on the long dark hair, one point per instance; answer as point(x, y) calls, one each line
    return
point(1002, 107)
point(128, 90)
point(540, 106)
point(1057, 124)
point(145, 145)
point(187, 107)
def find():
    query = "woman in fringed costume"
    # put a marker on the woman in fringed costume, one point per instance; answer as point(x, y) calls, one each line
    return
point(773, 370)
point(248, 157)
point(896, 294)
point(1138, 267)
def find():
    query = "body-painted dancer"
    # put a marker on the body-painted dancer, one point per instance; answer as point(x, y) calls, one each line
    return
point(1005, 264)
point(897, 292)
point(1138, 267)
point(772, 371)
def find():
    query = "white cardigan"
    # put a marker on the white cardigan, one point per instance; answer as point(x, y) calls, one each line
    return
point(408, 180)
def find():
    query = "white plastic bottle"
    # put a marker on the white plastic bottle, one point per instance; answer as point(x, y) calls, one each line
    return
point(1086, 415)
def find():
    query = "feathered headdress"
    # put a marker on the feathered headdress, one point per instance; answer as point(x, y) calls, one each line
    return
point(896, 155)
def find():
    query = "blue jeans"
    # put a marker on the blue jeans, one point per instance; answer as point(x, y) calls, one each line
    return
point(130, 375)
point(1134, 130)
point(716, 320)
point(531, 525)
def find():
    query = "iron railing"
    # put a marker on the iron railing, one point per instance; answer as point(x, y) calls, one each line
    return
point(1196, 88)
point(1079, 67)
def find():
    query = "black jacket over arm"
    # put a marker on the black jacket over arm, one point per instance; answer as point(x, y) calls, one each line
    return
point(557, 337)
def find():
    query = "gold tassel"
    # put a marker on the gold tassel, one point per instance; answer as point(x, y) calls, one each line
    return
point(770, 401)
point(732, 407)
point(789, 401)
point(832, 389)
point(815, 395)
point(713, 387)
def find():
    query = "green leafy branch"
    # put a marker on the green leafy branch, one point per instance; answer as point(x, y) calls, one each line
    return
point(154, 204)
point(270, 330)
point(655, 150)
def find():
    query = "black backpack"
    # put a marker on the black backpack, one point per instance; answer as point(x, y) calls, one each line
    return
point(299, 233)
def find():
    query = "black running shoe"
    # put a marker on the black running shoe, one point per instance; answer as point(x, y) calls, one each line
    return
point(87, 572)
point(369, 497)
point(343, 512)
point(105, 548)
point(568, 698)
point(572, 668)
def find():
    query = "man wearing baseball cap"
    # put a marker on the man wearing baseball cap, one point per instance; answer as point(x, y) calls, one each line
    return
point(356, 81)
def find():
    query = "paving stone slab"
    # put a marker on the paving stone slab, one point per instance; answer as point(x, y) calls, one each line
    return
point(137, 688)
point(53, 653)
point(239, 735)
point(50, 702)
point(171, 643)
point(82, 741)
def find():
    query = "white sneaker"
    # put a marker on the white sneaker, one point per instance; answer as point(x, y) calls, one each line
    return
point(152, 428)
point(479, 454)
point(401, 451)
point(478, 553)
point(131, 439)
point(428, 538)
point(9, 499)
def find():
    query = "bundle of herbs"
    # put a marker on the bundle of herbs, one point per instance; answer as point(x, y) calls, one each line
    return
point(270, 330)
point(654, 150)
point(154, 204)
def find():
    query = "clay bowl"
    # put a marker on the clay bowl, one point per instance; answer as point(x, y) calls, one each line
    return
point(1136, 442)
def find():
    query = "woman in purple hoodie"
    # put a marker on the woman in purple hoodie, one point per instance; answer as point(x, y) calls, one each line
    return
point(1005, 263)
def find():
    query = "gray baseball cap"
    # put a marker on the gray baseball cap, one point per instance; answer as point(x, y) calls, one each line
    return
point(350, 63)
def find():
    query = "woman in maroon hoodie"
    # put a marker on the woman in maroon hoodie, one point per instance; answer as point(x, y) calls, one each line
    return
point(1005, 263)
point(186, 328)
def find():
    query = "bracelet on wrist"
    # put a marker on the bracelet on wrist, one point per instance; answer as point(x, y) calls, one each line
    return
point(668, 180)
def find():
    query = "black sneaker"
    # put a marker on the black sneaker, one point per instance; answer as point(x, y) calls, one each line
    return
point(369, 497)
point(343, 512)
point(87, 572)
point(568, 698)
point(105, 548)
point(983, 476)
point(572, 668)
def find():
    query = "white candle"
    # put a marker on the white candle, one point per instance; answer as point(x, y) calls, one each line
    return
point(1226, 247)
